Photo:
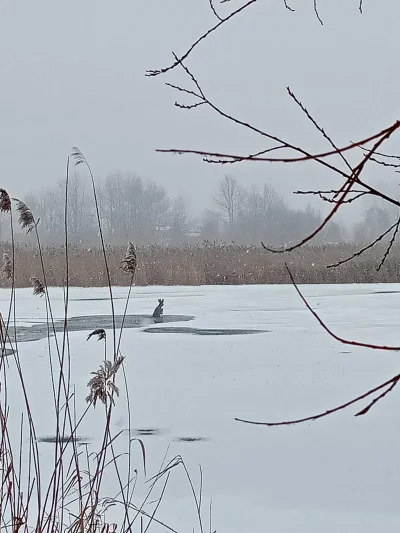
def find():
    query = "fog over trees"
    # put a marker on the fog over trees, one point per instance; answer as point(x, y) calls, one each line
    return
point(139, 210)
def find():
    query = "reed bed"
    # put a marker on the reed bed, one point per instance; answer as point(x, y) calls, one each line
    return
point(207, 264)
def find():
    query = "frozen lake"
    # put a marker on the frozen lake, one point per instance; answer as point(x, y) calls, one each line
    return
point(251, 352)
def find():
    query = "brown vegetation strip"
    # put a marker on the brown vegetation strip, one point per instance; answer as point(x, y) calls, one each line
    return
point(207, 265)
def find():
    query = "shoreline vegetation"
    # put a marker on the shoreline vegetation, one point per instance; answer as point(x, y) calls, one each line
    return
point(208, 264)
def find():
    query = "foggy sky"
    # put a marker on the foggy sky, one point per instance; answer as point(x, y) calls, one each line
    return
point(73, 74)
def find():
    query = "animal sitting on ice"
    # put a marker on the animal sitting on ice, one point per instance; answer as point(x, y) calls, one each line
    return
point(158, 311)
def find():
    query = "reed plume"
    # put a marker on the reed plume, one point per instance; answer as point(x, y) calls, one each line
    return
point(38, 287)
point(129, 263)
point(7, 268)
point(26, 218)
point(101, 385)
point(77, 155)
point(5, 202)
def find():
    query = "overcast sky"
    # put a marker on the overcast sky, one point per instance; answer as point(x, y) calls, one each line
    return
point(73, 73)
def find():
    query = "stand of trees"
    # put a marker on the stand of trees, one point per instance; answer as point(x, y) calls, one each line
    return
point(141, 211)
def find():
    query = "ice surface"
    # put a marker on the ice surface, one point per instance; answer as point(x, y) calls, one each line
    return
point(336, 475)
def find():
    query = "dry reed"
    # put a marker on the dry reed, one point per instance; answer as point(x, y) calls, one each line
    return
point(206, 265)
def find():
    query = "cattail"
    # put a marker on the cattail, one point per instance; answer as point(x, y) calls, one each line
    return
point(5, 202)
point(129, 262)
point(101, 334)
point(101, 385)
point(38, 287)
point(7, 268)
point(26, 218)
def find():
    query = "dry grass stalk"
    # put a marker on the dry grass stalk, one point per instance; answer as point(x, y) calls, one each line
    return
point(5, 202)
point(101, 385)
point(129, 263)
point(7, 268)
point(38, 287)
point(101, 334)
point(26, 218)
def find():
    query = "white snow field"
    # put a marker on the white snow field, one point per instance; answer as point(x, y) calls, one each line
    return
point(338, 474)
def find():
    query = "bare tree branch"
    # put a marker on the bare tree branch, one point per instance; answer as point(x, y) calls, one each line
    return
point(316, 13)
point(344, 191)
point(212, 7)
point(390, 384)
point(391, 243)
point(199, 40)
point(322, 195)
point(368, 247)
point(330, 332)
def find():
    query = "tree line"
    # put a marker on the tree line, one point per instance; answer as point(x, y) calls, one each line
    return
point(142, 211)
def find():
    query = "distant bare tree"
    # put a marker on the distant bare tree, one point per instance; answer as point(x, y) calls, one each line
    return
point(133, 209)
point(228, 199)
point(210, 225)
point(179, 222)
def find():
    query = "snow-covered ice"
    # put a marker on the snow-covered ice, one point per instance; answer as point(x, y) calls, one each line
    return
point(338, 474)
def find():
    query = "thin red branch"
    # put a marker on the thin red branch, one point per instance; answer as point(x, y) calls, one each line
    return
point(313, 234)
point(379, 397)
point(388, 385)
point(362, 250)
point(391, 243)
point(344, 191)
point(306, 157)
point(330, 332)
point(391, 383)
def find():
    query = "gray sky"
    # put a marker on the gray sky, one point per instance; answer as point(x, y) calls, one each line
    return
point(73, 73)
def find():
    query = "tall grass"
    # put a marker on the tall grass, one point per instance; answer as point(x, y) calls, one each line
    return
point(72, 494)
point(207, 264)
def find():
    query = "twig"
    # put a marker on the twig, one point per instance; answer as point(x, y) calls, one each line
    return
point(343, 191)
point(368, 247)
point(383, 163)
point(322, 195)
point(214, 10)
point(199, 40)
point(330, 332)
point(316, 12)
point(317, 126)
point(390, 383)
point(288, 7)
point(392, 241)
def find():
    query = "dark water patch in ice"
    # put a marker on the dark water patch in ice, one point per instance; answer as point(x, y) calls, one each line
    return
point(6, 352)
point(191, 439)
point(99, 299)
point(52, 439)
point(147, 432)
point(385, 292)
point(202, 331)
point(83, 323)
